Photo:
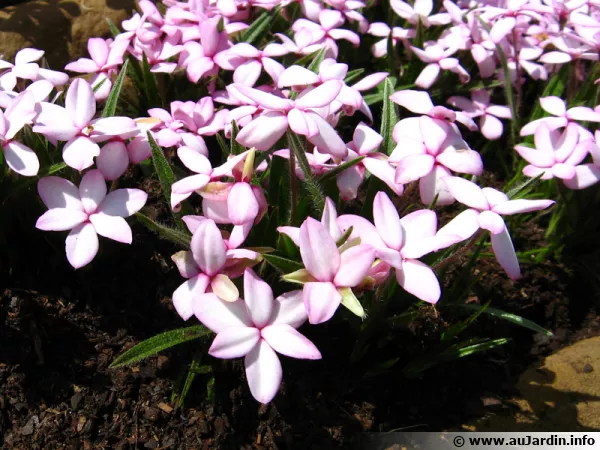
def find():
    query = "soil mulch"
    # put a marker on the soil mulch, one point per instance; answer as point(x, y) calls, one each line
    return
point(60, 329)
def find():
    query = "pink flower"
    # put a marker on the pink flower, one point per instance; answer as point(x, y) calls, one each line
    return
point(420, 12)
point(427, 151)
point(479, 106)
point(247, 62)
point(400, 242)
point(382, 30)
point(327, 31)
point(106, 57)
point(74, 124)
point(257, 328)
point(301, 115)
point(486, 206)
point(561, 116)
point(87, 212)
point(556, 154)
point(199, 59)
point(19, 157)
point(438, 58)
point(364, 143)
point(329, 269)
point(26, 68)
point(210, 264)
point(587, 174)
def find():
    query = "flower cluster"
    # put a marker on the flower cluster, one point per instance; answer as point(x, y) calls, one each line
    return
point(268, 99)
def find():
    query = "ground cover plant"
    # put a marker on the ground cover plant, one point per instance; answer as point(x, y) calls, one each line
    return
point(308, 153)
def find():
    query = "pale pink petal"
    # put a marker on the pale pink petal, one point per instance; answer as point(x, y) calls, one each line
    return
point(60, 219)
point(218, 315)
point(413, 167)
point(428, 76)
point(57, 192)
point(321, 301)
point(432, 186)
point(123, 202)
point(464, 225)
point(320, 96)
point(242, 205)
point(584, 114)
point(289, 309)
point(494, 197)
point(28, 55)
point(461, 160)
point(553, 105)
point(302, 123)
point(264, 99)
point(234, 342)
point(112, 227)
point(387, 221)
point(563, 171)
point(361, 228)
point(264, 131)
point(586, 175)
point(247, 73)
point(92, 190)
point(419, 280)
point(187, 293)
point(327, 140)
point(319, 252)
point(286, 340)
point(491, 127)
point(505, 253)
point(82, 65)
point(113, 160)
point(184, 260)
point(534, 172)
point(418, 102)
point(79, 153)
point(259, 298)
point(80, 102)
point(540, 157)
point(354, 266)
point(263, 372)
point(502, 28)
point(21, 159)
point(81, 245)
point(208, 248)
point(385, 172)
point(521, 206)
point(491, 221)
point(466, 192)
point(297, 76)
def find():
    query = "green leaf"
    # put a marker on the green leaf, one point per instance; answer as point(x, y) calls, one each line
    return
point(460, 351)
point(162, 167)
point(235, 146)
point(284, 265)
point(314, 189)
point(171, 234)
point(339, 169)
point(518, 320)
point(150, 86)
point(158, 343)
point(99, 85)
point(222, 144)
point(113, 28)
point(260, 26)
point(554, 87)
point(458, 327)
point(371, 99)
point(110, 107)
point(317, 60)
point(353, 75)
point(389, 118)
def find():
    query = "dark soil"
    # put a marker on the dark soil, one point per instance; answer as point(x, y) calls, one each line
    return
point(60, 329)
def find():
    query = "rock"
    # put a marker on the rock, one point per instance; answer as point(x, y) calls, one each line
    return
point(61, 27)
point(28, 428)
point(76, 400)
point(562, 393)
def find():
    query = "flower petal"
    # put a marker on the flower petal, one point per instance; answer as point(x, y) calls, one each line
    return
point(208, 248)
point(321, 301)
point(234, 342)
point(319, 251)
point(263, 371)
point(286, 340)
point(419, 280)
point(60, 219)
point(81, 245)
point(259, 298)
point(79, 153)
point(387, 221)
point(289, 309)
point(218, 315)
point(466, 192)
point(112, 227)
point(123, 202)
point(505, 253)
point(92, 190)
point(354, 266)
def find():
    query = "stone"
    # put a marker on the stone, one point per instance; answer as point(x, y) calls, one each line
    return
point(59, 27)
point(561, 393)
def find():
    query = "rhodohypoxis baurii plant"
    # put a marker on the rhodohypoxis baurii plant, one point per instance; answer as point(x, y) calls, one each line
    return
point(276, 119)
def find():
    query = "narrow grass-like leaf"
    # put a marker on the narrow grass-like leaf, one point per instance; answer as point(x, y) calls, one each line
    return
point(222, 144)
point(317, 60)
point(158, 343)
point(315, 191)
point(518, 320)
point(460, 351)
point(172, 234)
point(235, 146)
point(113, 28)
point(353, 75)
point(282, 264)
point(259, 27)
point(460, 326)
point(388, 118)
point(110, 107)
point(162, 167)
point(150, 86)
point(339, 169)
